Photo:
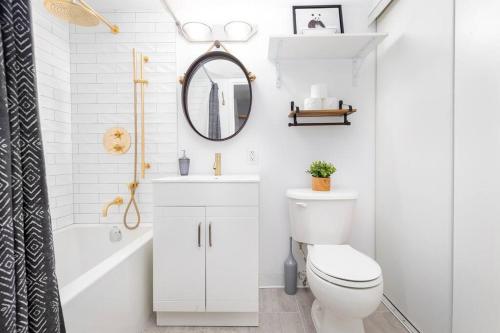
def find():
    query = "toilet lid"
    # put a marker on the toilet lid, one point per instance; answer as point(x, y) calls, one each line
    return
point(342, 262)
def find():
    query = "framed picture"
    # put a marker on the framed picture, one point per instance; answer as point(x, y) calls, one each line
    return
point(322, 19)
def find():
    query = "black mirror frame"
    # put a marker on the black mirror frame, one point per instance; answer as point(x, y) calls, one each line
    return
point(189, 75)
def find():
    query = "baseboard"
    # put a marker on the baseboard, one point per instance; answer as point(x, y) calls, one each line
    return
point(399, 316)
point(279, 287)
point(207, 319)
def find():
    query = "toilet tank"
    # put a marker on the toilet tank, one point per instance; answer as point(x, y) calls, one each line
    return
point(318, 217)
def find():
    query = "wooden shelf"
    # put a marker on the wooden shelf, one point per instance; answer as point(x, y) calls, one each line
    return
point(321, 113)
point(296, 113)
point(329, 47)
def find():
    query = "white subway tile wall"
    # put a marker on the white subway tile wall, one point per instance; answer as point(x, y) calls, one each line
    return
point(52, 61)
point(102, 97)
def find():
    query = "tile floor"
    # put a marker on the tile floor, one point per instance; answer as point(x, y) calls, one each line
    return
point(280, 313)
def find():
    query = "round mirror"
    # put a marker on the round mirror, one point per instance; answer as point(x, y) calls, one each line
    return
point(217, 96)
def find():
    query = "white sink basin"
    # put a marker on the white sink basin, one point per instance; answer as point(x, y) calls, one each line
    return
point(209, 179)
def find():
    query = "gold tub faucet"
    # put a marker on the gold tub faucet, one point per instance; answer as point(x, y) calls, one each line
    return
point(217, 164)
point(116, 201)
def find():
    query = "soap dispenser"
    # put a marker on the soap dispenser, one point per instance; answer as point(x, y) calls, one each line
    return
point(184, 164)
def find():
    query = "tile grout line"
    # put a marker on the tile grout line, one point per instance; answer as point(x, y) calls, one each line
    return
point(301, 317)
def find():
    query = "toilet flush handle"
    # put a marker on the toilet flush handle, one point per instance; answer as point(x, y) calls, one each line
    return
point(301, 204)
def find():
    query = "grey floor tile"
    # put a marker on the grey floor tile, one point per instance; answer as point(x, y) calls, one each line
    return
point(266, 298)
point(309, 326)
point(281, 313)
point(283, 302)
point(305, 299)
point(291, 323)
point(383, 322)
point(382, 308)
point(269, 323)
point(276, 301)
point(172, 329)
point(228, 330)
point(305, 316)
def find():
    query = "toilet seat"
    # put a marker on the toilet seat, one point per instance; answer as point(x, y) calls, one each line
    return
point(344, 266)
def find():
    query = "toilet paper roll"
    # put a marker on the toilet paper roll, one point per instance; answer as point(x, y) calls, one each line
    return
point(319, 91)
point(330, 103)
point(313, 103)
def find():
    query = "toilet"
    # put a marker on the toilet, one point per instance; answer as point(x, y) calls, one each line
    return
point(347, 284)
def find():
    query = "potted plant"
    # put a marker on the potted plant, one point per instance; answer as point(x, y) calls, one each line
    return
point(321, 172)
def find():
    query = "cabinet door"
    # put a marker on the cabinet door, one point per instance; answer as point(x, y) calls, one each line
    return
point(232, 259)
point(179, 259)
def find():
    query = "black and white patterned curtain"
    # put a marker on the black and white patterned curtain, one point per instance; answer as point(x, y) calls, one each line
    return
point(29, 297)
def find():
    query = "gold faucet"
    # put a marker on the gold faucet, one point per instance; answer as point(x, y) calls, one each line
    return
point(217, 164)
point(116, 201)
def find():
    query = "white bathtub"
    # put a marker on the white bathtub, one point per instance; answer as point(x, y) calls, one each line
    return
point(105, 286)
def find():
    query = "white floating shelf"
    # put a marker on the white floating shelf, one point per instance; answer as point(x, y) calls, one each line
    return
point(339, 46)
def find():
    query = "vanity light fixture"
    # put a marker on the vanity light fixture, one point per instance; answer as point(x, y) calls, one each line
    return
point(238, 29)
point(197, 30)
point(200, 32)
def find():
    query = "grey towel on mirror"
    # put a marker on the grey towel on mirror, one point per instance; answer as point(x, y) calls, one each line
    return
point(213, 113)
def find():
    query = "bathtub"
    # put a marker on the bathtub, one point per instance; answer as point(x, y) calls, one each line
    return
point(105, 286)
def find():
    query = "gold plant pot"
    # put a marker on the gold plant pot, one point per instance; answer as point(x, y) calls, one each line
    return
point(321, 184)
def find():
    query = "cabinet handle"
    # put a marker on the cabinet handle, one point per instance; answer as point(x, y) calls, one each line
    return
point(210, 234)
point(199, 234)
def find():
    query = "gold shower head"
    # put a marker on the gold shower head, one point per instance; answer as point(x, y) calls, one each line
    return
point(71, 12)
point(77, 12)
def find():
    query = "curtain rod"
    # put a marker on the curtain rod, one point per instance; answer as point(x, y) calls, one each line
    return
point(170, 11)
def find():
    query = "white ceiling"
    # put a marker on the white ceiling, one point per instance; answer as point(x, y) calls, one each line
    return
point(110, 5)
point(192, 5)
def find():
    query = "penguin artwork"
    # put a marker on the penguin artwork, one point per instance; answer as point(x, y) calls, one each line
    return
point(315, 22)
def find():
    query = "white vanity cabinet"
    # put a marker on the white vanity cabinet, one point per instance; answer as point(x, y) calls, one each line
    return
point(206, 250)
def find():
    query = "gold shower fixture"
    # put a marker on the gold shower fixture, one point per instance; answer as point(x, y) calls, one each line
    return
point(138, 80)
point(116, 202)
point(141, 82)
point(116, 140)
point(78, 12)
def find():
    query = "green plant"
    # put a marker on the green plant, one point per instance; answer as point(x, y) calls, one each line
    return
point(321, 169)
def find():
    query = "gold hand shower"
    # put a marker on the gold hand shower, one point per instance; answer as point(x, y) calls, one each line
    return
point(78, 12)
point(135, 184)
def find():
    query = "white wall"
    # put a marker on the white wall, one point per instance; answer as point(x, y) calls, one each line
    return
point(477, 163)
point(101, 82)
point(285, 153)
point(414, 171)
point(51, 39)
point(84, 87)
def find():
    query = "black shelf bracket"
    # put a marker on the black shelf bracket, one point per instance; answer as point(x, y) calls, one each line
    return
point(296, 111)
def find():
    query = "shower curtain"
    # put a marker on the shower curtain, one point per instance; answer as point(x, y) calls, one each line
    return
point(29, 297)
point(213, 113)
